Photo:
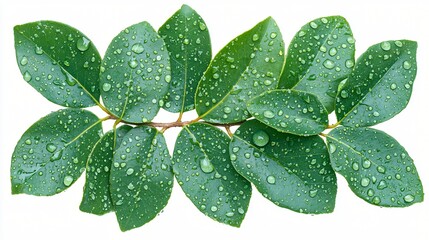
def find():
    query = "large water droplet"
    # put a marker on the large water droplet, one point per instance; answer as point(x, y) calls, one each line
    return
point(83, 44)
point(56, 156)
point(260, 138)
point(24, 61)
point(268, 114)
point(27, 76)
point(271, 179)
point(364, 182)
point(51, 147)
point(409, 198)
point(313, 193)
point(206, 165)
point(332, 148)
point(255, 37)
point(137, 48)
point(133, 63)
point(385, 46)
point(106, 87)
point(328, 64)
point(68, 180)
point(202, 26)
point(406, 65)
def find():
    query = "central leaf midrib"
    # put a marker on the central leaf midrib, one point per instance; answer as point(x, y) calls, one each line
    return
point(238, 80)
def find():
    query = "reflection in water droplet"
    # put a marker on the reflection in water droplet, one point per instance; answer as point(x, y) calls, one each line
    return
point(206, 165)
point(83, 44)
point(137, 48)
point(260, 138)
point(271, 179)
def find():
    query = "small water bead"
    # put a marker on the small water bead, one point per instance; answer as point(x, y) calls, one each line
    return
point(229, 214)
point(137, 48)
point(333, 51)
point(381, 169)
point(267, 82)
point(216, 76)
point(355, 166)
point(328, 64)
point(350, 40)
point(350, 63)
point(28, 142)
point(398, 43)
point(206, 165)
point(106, 87)
point(376, 114)
point(366, 164)
point(24, 61)
point(313, 25)
point(255, 37)
point(364, 182)
point(213, 208)
point(393, 86)
point(298, 120)
point(186, 41)
point(38, 51)
point(130, 186)
point(202, 26)
point(56, 156)
point(133, 63)
point(83, 44)
point(376, 200)
point(227, 110)
point(130, 171)
point(260, 138)
point(230, 59)
point(273, 35)
point(167, 78)
point(385, 46)
point(50, 147)
point(268, 114)
point(332, 148)
point(382, 185)
point(271, 179)
point(27, 76)
point(409, 198)
point(406, 65)
point(68, 180)
point(313, 193)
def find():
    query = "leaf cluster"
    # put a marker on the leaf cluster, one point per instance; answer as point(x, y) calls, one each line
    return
point(280, 100)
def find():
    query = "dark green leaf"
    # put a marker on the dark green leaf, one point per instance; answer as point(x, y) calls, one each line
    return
point(188, 42)
point(291, 171)
point(319, 57)
point(96, 193)
point(203, 169)
point(377, 168)
point(380, 86)
point(51, 155)
point(135, 74)
point(141, 177)
point(247, 66)
point(290, 111)
point(59, 61)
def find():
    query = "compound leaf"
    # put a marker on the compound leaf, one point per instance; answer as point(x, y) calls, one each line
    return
point(290, 111)
point(51, 155)
point(96, 193)
point(377, 168)
point(203, 169)
point(247, 66)
point(141, 177)
point(319, 57)
point(135, 74)
point(188, 43)
point(58, 61)
point(291, 171)
point(380, 86)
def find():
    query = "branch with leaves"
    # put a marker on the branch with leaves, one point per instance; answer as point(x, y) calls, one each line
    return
point(280, 101)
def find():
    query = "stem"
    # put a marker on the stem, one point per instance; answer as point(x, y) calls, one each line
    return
point(333, 125)
point(323, 135)
point(228, 130)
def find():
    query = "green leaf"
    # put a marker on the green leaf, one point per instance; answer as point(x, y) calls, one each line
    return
point(290, 111)
point(380, 86)
point(51, 155)
point(188, 42)
point(135, 74)
point(203, 169)
point(247, 66)
point(377, 168)
point(59, 61)
point(291, 171)
point(141, 177)
point(319, 57)
point(96, 193)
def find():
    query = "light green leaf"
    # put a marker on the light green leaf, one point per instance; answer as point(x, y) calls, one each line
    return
point(291, 171)
point(247, 66)
point(319, 57)
point(135, 74)
point(377, 168)
point(51, 155)
point(290, 111)
point(59, 61)
point(141, 177)
point(188, 42)
point(96, 193)
point(203, 169)
point(380, 86)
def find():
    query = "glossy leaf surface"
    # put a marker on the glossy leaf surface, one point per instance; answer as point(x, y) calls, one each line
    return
point(96, 193)
point(247, 66)
point(380, 86)
point(291, 171)
point(290, 111)
point(203, 169)
point(141, 178)
point(188, 42)
point(58, 61)
point(135, 74)
point(319, 57)
point(377, 168)
point(51, 155)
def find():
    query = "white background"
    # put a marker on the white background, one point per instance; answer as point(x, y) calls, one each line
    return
point(58, 217)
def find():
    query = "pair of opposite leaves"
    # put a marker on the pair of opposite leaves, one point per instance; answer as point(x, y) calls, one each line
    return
point(217, 104)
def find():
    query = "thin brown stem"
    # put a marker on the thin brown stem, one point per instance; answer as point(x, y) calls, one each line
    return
point(228, 130)
point(333, 125)
point(323, 135)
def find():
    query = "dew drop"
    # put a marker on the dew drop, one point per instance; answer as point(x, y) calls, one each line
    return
point(51, 147)
point(393, 86)
point(106, 87)
point(333, 51)
point(24, 61)
point(376, 200)
point(202, 26)
point(376, 114)
point(313, 25)
point(130, 171)
point(298, 120)
point(268, 114)
point(83, 44)
point(255, 37)
point(409, 198)
point(328, 64)
point(227, 110)
point(137, 48)
point(133, 63)
point(38, 51)
point(273, 35)
point(385, 46)
point(27, 76)
point(350, 63)
point(206, 165)
point(56, 156)
point(406, 65)
point(271, 179)
point(68, 180)
point(213, 208)
point(366, 164)
point(364, 182)
point(229, 214)
point(260, 138)
point(28, 141)
point(313, 193)
point(332, 148)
